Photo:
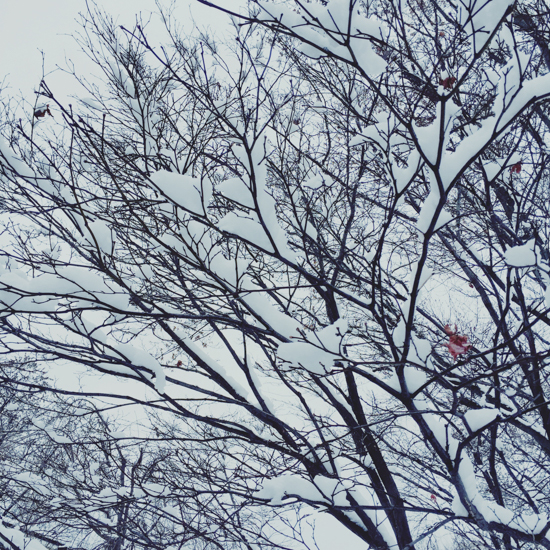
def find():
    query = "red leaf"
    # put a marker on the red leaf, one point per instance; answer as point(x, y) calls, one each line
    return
point(41, 111)
point(433, 497)
point(448, 82)
point(449, 330)
point(516, 168)
point(458, 344)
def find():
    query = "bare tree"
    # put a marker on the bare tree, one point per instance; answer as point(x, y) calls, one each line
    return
point(323, 250)
point(71, 480)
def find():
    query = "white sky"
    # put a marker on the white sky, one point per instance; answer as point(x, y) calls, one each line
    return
point(28, 27)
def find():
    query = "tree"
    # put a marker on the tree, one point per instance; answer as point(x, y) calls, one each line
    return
point(321, 248)
point(70, 479)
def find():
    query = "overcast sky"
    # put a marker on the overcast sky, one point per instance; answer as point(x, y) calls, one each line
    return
point(28, 27)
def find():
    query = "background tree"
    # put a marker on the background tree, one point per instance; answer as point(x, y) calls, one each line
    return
point(322, 249)
point(71, 480)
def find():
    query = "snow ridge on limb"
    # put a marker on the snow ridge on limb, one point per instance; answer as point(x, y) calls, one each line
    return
point(480, 19)
point(335, 27)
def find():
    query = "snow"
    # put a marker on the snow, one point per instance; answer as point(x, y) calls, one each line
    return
point(34, 481)
point(101, 234)
point(493, 168)
point(230, 271)
point(429, 211)
point(140, 358)
point(256, 380)
point(187, 192)
point(40, 424)
point(531, 524)
point(91, 327)
point(307, 356)
point(42, 294)
point(58, 438)
point(311, 231)
point(480, 18)
point(506, 107)
point(89, 102)
point(428, 139)
point(365, 496)
point(527, 523)
point(326, 28)
point(403, 176)
point(19, 539)
point(107, 495)
point(320, 350)
point(215, 366)
point(531, 90)
point(130, 89)
point(458, 508)
point(479, 418)
point(427, 272)
point(522, 256)
point(237, 190)
point(259, 227)
point(414, 378)
point(279, 488)
point(469, 148)
point(314, 182)
point(313, 352)
point(11, 162)
point(399, 333)
point(357, 140)
point(438, 424)
point(467, 475)
point(256, 299)
point(248, 228)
